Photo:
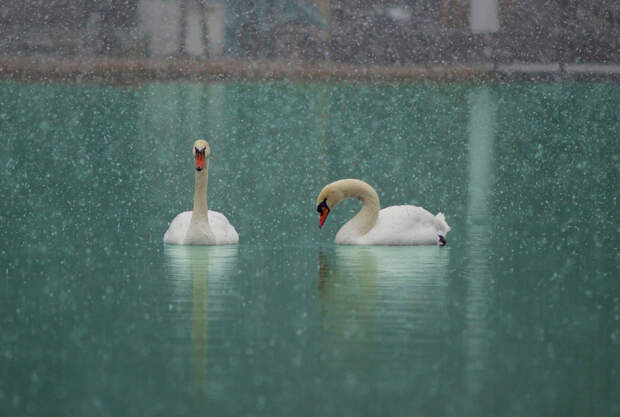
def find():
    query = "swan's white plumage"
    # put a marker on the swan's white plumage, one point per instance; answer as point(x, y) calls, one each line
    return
point(398, 226)
point(225, 233)
point(395, 225)
point(201, 226)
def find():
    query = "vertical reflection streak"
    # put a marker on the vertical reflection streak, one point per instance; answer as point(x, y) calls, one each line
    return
point(215, 108)
point(483, 112)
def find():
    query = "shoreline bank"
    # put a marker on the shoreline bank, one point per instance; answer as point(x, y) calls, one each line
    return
point(118, 71)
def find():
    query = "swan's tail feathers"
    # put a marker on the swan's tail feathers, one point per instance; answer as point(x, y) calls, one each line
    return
point(442, 220)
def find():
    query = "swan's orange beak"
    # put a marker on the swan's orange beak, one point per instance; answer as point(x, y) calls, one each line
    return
point(323, 211)
point(324, 214)
point(200, 160)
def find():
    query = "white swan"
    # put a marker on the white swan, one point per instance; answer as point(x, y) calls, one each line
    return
point(201, 226)
point(395, 225)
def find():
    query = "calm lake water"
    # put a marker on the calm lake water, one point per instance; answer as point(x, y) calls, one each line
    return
point(519, 315)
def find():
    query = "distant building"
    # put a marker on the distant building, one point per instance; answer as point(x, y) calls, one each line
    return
point(195, 28)
point(350, 31)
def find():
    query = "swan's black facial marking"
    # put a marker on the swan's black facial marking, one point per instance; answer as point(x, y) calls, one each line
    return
point(321, 206)
point(323, 211)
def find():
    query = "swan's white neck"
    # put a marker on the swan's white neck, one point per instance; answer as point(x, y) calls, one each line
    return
point(367, 217)
point(199, 231)
point(201, 212)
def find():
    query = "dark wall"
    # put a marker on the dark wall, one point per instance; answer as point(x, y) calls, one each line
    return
point(360, 31)
point(438, 32)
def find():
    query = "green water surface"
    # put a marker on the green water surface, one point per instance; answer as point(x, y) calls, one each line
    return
point(519, 315)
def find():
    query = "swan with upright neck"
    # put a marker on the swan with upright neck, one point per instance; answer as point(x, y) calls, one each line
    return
point(395, 225)
point(201, 226)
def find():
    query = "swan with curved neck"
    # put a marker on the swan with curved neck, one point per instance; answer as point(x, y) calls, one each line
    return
point(201, 226)
point(395, 225)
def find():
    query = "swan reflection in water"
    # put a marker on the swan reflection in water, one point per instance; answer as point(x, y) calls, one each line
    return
point(194, 271)
point(373, 297)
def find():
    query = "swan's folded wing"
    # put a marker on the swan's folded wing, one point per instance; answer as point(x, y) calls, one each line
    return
point(178, 228)
point(404, 225)
point(225, 233)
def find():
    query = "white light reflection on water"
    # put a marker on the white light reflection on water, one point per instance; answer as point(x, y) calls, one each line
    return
point(482, 121)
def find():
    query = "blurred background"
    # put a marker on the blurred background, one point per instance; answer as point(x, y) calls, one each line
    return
point(552, 34)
